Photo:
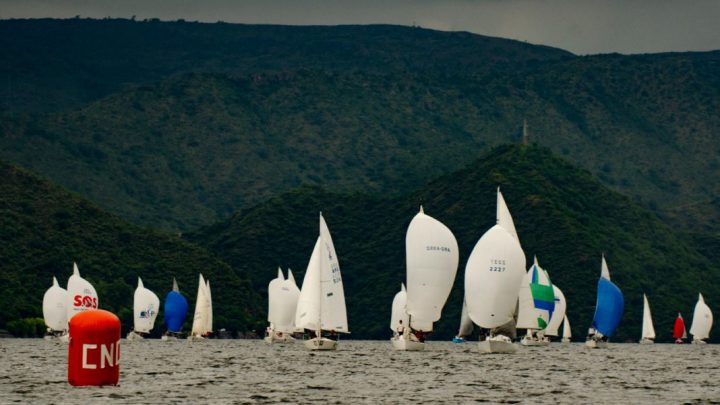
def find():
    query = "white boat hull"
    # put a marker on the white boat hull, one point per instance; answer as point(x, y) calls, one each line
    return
point(195, 338)
point(274, 338)
point(534, 342)
point(497, 345)
point(565, 340)
point(135, 336)
point(646, 341)
point(168, 337)
point(595, 344)
point(698, 342)
point(321, 344)
point(406, 344)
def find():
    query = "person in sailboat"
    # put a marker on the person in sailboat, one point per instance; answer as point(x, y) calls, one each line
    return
point(401, 328)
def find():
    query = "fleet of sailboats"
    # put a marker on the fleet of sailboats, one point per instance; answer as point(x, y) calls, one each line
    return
point(431, 256)
point(145, 309)
point(321, 304)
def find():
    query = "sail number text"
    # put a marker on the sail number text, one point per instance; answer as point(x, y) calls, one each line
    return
point(497, 265)
point(437, 248)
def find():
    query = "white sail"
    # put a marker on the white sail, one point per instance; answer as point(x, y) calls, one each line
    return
point(604, 272)
point(567, 333)
point(466, 324)
point(145, 308)
point(287, 298)
point(55, 307)
point(431, 253)
point(648, 331)
point(81, 294)
point(503, 217)
point(202, 309)
point(333, 315)
point(399, 310)
point(274, 297)
point(209, 317)
point(702, 320)
point(558, 315)
point(493, 275)
point(307, 315)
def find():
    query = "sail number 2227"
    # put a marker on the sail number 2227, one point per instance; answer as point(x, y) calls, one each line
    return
point(497, 265)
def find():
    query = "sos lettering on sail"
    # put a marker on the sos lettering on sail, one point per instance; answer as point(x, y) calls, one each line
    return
point(84, 301)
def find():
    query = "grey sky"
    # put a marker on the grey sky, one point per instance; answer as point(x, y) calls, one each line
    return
point(580, 26)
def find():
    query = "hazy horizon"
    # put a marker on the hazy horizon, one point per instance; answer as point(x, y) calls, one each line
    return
point(581, 27)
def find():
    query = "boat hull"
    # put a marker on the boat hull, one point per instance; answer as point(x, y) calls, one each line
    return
point(458, 340)
point(321, 344)
point(565, 340)
point(534, 342)
point(699, 342)
point(166, 337)
point(646, 341)
point(595, 344)
point(274, 338)
point(135, 336)
point(195, 338)
point(493, 345)
point(403, 343)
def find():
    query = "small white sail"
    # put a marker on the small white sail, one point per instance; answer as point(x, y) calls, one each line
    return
point(145, 308)
point(503, 217)
point(81, 294)
point(604, 272)
point(55, 307)
point(702, 320)
point(466, 324)
point(431, 253)
point(493, 275)
point(209, 317)
point(287, 298)
point(274, 291)
point(648, 330)
point(567, 332)
point(332, 307)
point(202, 309)
point(558, 315)
point(307, 315)
point(399, 310)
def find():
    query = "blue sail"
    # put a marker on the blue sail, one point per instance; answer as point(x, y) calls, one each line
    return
point(175, 311)
point(609, 307)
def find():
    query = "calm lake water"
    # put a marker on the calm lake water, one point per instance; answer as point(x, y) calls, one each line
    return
point(242, 371)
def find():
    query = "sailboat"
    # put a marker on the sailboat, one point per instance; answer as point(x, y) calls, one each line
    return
point(81, 294)
point(536, 304)
point(648, 331)
point(702, 321)
point(679, 332)
point(399, 319)
point(431, 255)
point(466, 326)
point(608, 310)
point(493, 274)
point(558, 314)
point(202, 320)
point(282, 303)
point(55, 310)
point(175, 311)
point(567, 332)
point(321, 305)
point(145, 309)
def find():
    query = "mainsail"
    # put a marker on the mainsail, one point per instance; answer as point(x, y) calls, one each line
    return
point(466, 324)
point(145, 308)
point(55, 307)
point(648, 330)
point(274, 291)
point(431, 253)
point(567, 332)
point(203, 310)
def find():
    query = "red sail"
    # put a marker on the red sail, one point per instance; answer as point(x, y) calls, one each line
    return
point(679, 328)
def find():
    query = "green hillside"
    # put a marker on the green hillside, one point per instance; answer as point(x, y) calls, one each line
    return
point(44, 228)
point(562, 214)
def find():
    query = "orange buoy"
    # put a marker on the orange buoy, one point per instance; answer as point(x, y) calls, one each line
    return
point(94, 352)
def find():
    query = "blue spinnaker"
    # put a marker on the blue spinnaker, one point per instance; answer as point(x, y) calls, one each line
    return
point(175, 311)
point(609, 307)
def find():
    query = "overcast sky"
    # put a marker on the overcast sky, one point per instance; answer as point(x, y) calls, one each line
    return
point(580, 26)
